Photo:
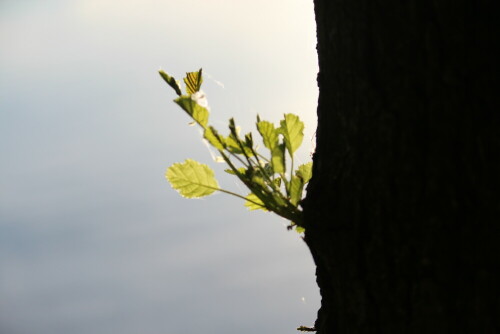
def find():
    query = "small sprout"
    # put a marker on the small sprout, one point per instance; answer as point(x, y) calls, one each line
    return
point(272, 187)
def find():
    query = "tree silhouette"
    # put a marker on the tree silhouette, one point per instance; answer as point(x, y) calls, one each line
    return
point(403, 210)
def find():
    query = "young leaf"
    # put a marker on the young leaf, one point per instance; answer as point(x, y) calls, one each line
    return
point(192, 179)
point(197, 112)
point(242, 170)
point(271, 141)
point(171, 82)
point(292, 129)
point(268, 133)
point(296, 187)
point(305, 172)
point(277, 182)
point(235, 144)
point(193, 81)
point(300, 229)
point(258, 180)
point(214, 138)
point(254, 203)
point(248, 140)
point(278, 158)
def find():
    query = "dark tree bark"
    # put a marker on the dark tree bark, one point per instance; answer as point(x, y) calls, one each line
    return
point(403, 211)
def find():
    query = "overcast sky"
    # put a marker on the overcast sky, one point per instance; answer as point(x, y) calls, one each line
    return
point(92, 238)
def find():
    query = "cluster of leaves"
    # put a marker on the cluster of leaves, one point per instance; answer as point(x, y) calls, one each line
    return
point(271, 188)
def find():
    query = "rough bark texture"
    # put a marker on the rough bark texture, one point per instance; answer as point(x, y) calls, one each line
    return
point(403, 210)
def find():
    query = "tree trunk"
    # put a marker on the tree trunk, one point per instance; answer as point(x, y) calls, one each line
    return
point(403, 211)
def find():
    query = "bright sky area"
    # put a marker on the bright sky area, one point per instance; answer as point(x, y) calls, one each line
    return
point(92, 238)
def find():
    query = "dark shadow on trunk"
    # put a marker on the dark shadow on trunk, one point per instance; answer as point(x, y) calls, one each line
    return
point(403, 211)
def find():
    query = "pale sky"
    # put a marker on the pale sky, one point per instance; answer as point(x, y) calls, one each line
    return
point(92, 238)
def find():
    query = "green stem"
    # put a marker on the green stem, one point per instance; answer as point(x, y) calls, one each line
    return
point(263, 157)
point(242, 148)
point(230, 193)
point(271, 183)
point(237, 195)
point(238, 158)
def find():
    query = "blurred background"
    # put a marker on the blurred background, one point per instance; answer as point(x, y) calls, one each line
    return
point(92, 237)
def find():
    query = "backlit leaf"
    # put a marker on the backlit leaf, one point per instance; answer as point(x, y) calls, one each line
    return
point(234, 144)
point(193, 81)
point(241, 170)
point(249, 140)
point(268, 133)
point(171, 82)
point(192, 179)
point(299, 229)
point(278, 158)
point(197, 112)
point(296, 187)
point(258, 179)
point(292, 129)
point(278, 199)
point(271, 141)
point(305, 172)
point(214, 138)
point(277, 182)
point(254, 203)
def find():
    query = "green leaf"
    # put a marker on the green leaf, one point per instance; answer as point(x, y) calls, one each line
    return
point(299, 229)
point(171, 82)
point(193, 81)
point(296, 187)
point(278, 158)
point(235, 144)
point(197, 112)
point(192, 179)
point(277, 182)
point(268, 133)
point(254, 203)
point(258, 179)
point(292, 129)
point(233, 129)
point(242, 170)
point(305, 172)
point(248, 140)
point(278, 199)
point(271, 141)
point(214, 138)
